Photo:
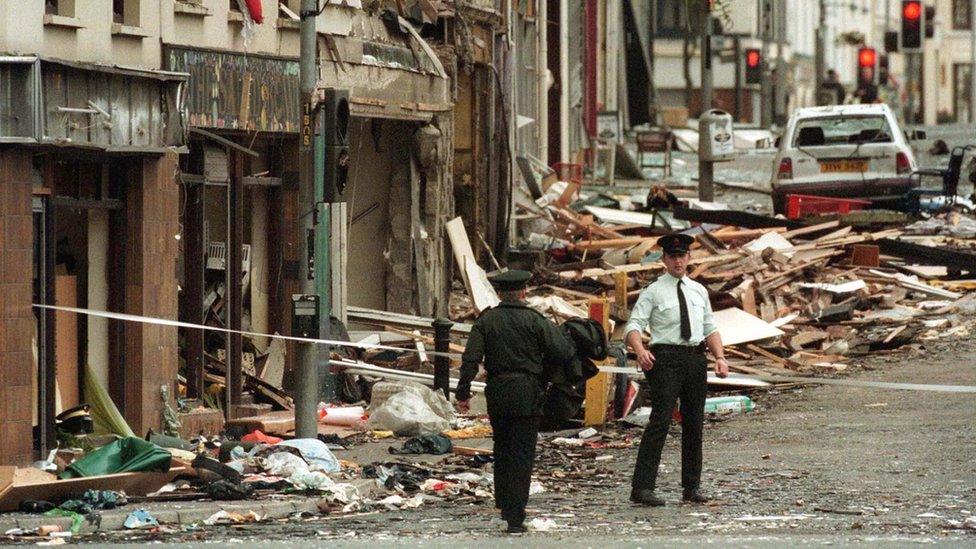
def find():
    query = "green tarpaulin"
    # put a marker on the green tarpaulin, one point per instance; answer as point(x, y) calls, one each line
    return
point(125, 455)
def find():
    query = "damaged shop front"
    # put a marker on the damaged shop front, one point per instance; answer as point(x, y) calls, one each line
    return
point(242, 215)
point(89, 210)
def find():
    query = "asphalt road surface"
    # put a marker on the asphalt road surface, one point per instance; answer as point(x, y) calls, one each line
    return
point(810, 466)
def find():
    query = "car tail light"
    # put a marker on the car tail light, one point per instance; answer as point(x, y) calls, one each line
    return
point(785, 170)
point(902, 165)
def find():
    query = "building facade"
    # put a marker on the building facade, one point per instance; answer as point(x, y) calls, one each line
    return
point(148, 155)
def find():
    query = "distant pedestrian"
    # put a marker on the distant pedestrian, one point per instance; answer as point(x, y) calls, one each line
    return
point(679, 315)
point(832, 84)
point(518, 346)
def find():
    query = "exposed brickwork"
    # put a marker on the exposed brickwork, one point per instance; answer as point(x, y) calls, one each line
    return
point(16, 317)
point(152, 203)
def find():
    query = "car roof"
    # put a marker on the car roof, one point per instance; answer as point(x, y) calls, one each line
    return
point(868, 109)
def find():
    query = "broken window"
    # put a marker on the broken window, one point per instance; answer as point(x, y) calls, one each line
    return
point(125, 12)
point(962, 15)
point(64, 8)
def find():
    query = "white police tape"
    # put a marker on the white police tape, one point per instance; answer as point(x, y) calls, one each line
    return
point(180, 324)
point(819, 381)
point(608, 369)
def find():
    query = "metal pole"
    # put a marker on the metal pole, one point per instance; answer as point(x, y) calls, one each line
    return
point(706, 173)
point(652, 86)
point(442, 362)
point(781, 88)
point(911, 79)
point(738, 78)
point(564, 81)
point(765, 89)
point(972, 60)
point(306, 383)
point(820, 53)
point(542, 65)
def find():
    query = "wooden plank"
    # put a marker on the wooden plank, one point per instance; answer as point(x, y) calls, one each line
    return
point(613, 243)
point(835, 235)
point(811, 229)
point(135, 484)
point(66, 348)
point(461, 247)
point(748, 298)
point(482, 293)
point(598, 386)
point(256, 384)
point(471, 451)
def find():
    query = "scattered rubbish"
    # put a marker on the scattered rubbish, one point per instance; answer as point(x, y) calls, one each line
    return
point(543, 524)
point(425, 444)
point(350, 416)
point(258, 436)
point(226, 517)
point(407, 414)
point(729, 405)
point(140, 518)
point(315, 452)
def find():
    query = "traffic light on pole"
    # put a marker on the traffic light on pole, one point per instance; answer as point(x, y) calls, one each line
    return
point(867, 63)
point(753, 66)
point(929, 21)
point(911, 24)
point(883, 69)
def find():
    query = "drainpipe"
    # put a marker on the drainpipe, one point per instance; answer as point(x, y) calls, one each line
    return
point(542, 90)
point(564, 81)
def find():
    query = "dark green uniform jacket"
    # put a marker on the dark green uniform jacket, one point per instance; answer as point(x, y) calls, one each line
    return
point(519, 347)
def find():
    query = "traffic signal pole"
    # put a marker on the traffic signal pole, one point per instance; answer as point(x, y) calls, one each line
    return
point(820, 53)
point(972, 60)
point(306, 391)
point(706, 169)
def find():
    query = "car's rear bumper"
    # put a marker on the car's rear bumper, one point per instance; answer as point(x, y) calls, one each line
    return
point(880, 191)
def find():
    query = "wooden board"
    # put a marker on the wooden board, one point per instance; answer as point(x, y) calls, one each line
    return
point(66, 340)
point(461, 247)
point(621, 217)
point(737, 326)
point(479, 288)
point(133, 484)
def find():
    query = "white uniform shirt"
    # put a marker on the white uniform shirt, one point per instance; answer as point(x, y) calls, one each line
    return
point(657, 308)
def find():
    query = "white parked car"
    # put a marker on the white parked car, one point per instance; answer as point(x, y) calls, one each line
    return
point(843, 151)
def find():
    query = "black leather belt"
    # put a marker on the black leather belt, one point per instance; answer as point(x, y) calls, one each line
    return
point(696, 349)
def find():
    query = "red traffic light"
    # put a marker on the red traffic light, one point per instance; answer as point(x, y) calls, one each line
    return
point(752, 58)
point(866, 57)
point(912, 10)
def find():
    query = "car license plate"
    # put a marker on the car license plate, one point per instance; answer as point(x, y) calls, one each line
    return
point(843, 166)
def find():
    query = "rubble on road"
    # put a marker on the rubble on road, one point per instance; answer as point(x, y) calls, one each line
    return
point(791, 298)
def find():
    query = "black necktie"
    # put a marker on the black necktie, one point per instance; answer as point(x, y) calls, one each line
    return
point(685, 322)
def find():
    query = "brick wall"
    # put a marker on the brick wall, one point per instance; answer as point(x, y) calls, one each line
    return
point(152, 223)
point(16, 317)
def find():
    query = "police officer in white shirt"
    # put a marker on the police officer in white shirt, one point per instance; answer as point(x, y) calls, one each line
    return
point(679, 315)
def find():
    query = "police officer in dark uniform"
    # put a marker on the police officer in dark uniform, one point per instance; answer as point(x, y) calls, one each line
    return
point(678, 314)
point(519, 347)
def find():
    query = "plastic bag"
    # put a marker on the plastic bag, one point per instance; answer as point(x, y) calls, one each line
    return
point(384, 390)
point(316, 453)
point(283, 464)
point(407, 414)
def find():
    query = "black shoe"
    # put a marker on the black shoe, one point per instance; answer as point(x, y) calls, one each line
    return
point(516, 529)
point(646, 497)
point(694, 495)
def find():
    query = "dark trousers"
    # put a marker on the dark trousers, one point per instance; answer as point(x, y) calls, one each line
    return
point(676, 375)
point(515, 438)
